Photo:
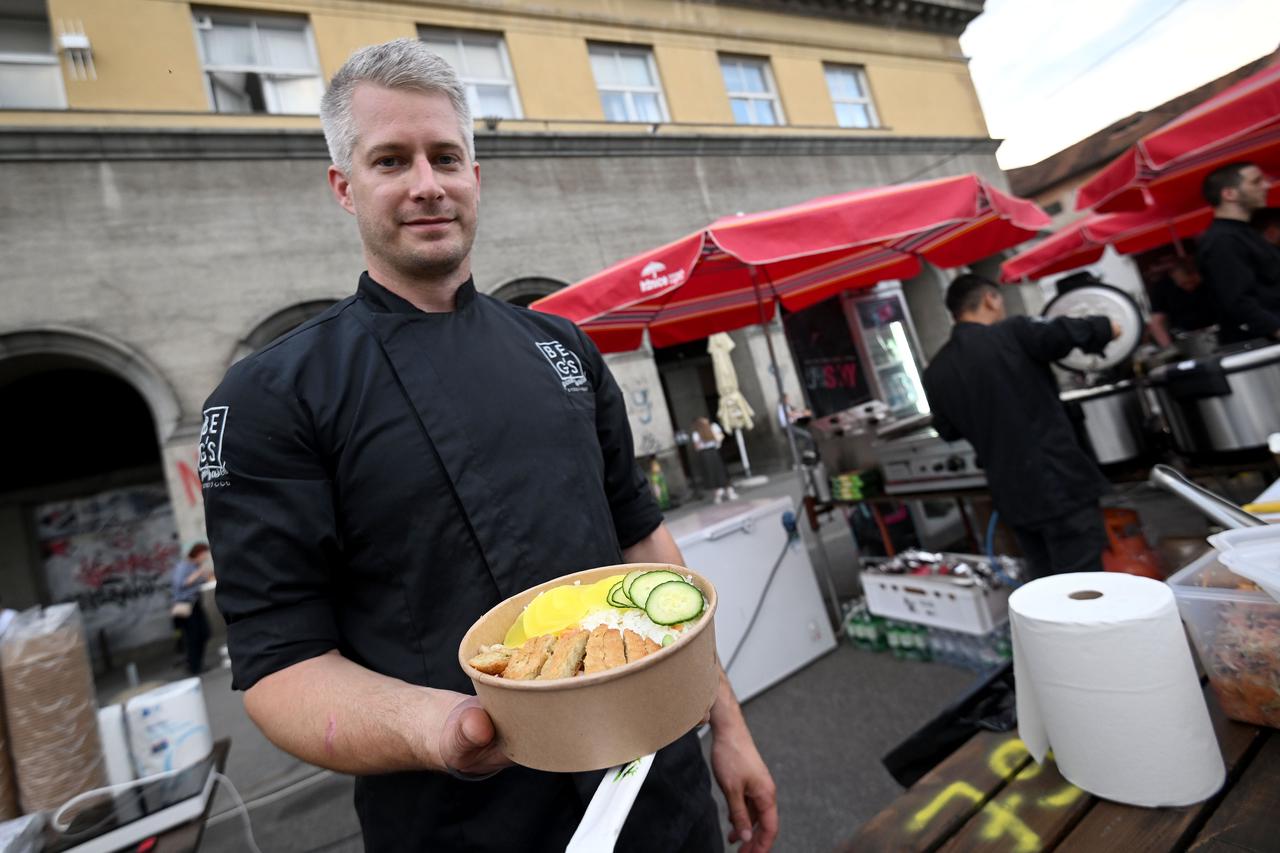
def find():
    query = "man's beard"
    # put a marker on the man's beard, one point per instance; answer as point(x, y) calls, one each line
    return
point(428, 262)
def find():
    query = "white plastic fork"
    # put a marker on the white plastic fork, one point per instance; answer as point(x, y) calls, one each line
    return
point(607, 812)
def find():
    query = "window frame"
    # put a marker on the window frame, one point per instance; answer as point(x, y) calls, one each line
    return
point(470, 83)
point(771, 94)
point(27, 58)
point(198, 14)
point(867, 101)
point(656, 88)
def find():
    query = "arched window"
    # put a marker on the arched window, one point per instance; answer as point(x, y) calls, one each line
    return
point(279, 323)
point(523, 291)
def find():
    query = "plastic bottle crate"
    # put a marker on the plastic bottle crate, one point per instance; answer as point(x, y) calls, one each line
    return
point(938, 601)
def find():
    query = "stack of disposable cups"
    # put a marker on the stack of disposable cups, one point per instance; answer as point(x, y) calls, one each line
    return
point(50, 707)
point(1105, 679)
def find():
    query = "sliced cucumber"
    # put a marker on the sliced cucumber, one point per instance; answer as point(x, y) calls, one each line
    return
point(617, 597)
point(629, 580)
point(673, 602)
point(640, 587)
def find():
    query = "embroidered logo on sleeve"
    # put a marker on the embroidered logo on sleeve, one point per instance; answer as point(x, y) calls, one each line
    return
point(212, 467)
point(566, 364)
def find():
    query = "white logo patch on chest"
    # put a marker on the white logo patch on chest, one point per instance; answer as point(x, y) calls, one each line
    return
point(211, 431)
point(566, 364)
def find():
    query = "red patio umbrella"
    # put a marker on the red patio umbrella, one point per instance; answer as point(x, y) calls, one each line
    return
point(1082, 243)
point(1165, 167)
point(734, 272)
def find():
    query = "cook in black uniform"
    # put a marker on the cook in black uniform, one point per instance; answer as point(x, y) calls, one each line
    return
point(1240, 268)
point(380, 477)
point(1180, 302)
point(991, 385)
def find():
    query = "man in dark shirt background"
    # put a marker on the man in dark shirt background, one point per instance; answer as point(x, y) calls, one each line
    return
point(1241, 269)
point(991, 385)
point(1180, 302)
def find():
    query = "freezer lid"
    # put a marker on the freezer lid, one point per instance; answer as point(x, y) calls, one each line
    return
point(719, 520)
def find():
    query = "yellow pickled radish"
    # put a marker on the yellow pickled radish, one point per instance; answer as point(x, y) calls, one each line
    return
point(559, 608)
point(516, 634)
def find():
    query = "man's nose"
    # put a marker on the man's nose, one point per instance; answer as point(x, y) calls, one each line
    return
point(424, 183)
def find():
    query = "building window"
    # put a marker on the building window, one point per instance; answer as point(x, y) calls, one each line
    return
point(851, 96)
point(628, 83)
point(750, 88)
point(481, 61)
point(30, 77)
point(258, 63)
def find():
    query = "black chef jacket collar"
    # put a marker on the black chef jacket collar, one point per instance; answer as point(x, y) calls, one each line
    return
point(383, 301)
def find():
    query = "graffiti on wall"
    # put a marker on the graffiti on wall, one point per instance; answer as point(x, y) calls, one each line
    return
point(637, 377)
point(181, 470)
point(112, 553)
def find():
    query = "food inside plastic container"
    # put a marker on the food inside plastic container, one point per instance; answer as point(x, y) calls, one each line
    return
point(575, 630)
point(1236, 631)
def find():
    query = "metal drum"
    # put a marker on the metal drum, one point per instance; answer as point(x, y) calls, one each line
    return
point(1112, 420)
point(1221, 402)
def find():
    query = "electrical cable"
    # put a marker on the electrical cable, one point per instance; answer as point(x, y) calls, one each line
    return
point(793, 535)
point(991, 552)
point(57, 822)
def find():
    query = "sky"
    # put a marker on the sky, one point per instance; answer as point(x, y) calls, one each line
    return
point(1051, 72)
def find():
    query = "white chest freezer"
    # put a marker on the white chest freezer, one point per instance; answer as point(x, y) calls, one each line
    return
point(735, 546)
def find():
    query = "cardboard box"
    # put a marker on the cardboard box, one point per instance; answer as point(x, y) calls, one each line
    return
point(590, 722)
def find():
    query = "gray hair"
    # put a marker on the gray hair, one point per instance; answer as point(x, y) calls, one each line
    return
point(401, 64)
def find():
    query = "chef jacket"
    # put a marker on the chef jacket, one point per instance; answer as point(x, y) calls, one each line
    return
point(992, 386)
point(377, 480)
point(1242, 272)
point(1186, 310)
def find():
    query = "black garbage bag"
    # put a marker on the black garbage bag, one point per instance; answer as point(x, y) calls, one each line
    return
point(988, 705)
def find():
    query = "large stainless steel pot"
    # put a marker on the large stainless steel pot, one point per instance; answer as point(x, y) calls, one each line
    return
point(1221, 402)
point(1112, 419)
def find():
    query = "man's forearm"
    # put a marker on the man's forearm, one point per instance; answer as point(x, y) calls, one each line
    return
point(333, 713)
point(726, 713)
point(658, 547)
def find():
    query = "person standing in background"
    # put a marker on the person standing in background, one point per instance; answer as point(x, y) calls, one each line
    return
point(1180, 302)
point(707, 438)
point(1240, 268)
point(190, 573)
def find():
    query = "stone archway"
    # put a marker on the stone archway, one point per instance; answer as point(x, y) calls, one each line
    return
point(523, 291)
point(281, 322)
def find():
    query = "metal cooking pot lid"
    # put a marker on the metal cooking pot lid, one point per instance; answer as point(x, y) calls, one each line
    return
point(1111, 302)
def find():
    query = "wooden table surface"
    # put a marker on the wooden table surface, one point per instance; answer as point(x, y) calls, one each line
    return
point(990, 795)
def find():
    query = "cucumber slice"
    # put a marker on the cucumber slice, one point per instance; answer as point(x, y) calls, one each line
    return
point(640, 587)
point(673, 602)
point(617, 597)
point(629, 580)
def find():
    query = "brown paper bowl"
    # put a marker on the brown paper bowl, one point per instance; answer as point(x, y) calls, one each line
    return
point(595, 721)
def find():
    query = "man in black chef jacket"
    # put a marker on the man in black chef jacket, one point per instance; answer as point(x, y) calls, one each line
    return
point(1241, 270)
point(991, 385)
point(381, 476)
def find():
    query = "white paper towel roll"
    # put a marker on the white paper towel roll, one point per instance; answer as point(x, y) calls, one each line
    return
point(168, 727)
point(1105, 679)
point(115, 745)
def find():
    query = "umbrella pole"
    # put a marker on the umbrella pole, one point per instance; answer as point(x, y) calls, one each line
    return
point(806, 475)
point(742, 451)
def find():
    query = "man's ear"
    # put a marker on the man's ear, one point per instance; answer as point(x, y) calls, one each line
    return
point(341, 189)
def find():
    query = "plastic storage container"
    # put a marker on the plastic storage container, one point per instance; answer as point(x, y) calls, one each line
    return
point(1236, 631)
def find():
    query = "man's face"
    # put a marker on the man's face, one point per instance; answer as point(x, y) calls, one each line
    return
point(1252, 192)
point(413, 188)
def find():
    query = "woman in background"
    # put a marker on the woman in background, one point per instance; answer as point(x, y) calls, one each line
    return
point(190, 573)
point(707, 438)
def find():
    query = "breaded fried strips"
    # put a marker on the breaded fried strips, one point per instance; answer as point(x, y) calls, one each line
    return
point(529, 660)
point(566, 656)
point(650, 646)
point(492, 662)
point(594, 661)
point(614, 653)
point(634, 644)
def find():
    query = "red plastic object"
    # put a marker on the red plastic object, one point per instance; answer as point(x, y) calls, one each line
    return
point(1127, 549)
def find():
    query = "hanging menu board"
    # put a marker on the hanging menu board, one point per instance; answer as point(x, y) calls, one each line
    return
point(826, 357)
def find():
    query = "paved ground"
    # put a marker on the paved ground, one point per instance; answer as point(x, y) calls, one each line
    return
point(822, 731)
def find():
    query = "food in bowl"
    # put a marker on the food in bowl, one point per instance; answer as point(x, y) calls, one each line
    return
point(575, 630)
